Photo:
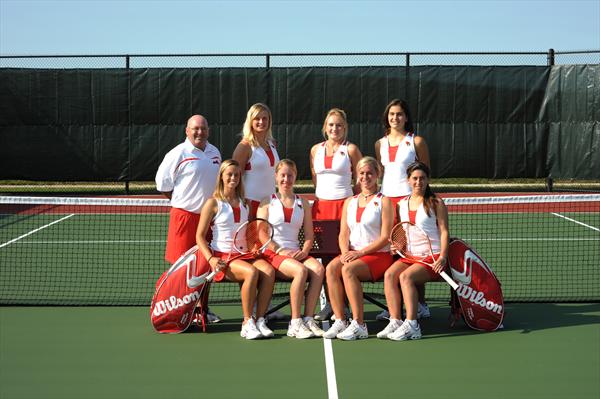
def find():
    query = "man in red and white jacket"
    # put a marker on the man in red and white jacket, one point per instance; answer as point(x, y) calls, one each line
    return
point(187, 176)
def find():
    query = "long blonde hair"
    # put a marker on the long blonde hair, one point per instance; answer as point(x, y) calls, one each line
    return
point(248, 133)
point(219, 192)
point(342, 114)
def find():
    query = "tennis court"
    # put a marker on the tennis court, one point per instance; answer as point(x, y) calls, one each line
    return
point(106, 252)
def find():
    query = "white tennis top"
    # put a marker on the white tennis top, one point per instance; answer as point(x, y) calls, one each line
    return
point(428, 223)
point(336, 182)
point(190, 173)
point(285, 234)
point(369, 228)
point(259, 174)
point(224, 226)
point(395, 181)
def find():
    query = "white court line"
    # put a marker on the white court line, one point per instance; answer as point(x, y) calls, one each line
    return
point(35, 231)
point(332, 392)
point(576, 221)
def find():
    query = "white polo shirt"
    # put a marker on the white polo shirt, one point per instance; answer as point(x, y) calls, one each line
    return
point(190, 173)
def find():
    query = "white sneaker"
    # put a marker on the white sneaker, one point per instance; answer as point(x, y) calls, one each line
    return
point(313, 326)
point(325, 313)
point(392, 326)
point(337, 327)
point(212, 317)
point(423, 311)
point(298, 329)
point(404, 332)
point(384, 315)
point(354, 331)
point(261, 324)
point(249, 330)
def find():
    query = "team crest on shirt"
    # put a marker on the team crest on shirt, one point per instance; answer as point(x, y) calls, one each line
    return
point(342, 153)
point(216, 160)
point(407, 142)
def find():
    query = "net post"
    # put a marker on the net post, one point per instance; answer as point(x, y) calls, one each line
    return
point(550, 57)
point(549, 184)
point(127, 187)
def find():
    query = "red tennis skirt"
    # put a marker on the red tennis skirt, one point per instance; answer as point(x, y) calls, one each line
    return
point(327, 209)
point(276, 260)
point(378, 263)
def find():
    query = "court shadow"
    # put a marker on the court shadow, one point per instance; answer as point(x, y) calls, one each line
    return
point(220, 327)
point(522, 317)
point(531, 317)
point(234, 325)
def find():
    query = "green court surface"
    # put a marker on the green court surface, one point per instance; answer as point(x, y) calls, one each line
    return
point(545, 351)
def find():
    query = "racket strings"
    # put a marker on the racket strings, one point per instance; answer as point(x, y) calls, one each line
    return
point(253, 236)
point(398, 238)
point(410, 241)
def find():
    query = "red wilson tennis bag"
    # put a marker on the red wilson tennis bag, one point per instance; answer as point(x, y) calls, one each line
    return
point(478, 298)
point(178, 291)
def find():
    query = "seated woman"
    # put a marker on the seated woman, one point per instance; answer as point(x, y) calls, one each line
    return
point(224, 213)
point(401, 280)
point(365, 254)
point(287, 212)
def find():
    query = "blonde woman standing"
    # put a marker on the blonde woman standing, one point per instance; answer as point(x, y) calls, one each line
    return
point(333, 169)
point(257, 155)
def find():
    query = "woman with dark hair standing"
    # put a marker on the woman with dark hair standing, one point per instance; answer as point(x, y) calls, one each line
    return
point(398, 148)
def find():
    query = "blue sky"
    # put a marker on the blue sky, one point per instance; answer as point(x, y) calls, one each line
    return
point(138, 27)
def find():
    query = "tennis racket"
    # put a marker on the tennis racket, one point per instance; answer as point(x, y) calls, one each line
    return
point(412, 243)
point(249, 240)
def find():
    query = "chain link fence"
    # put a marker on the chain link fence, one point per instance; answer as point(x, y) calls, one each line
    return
point(295, 60)
point(292, 60)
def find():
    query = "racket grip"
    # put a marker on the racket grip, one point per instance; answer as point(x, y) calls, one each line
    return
point(449, 280)
point(211, 275)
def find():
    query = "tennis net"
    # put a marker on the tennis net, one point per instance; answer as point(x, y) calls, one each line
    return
point(109, 251)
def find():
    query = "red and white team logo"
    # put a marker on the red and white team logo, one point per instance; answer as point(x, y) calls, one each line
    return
point(478, 297)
